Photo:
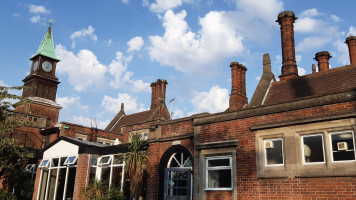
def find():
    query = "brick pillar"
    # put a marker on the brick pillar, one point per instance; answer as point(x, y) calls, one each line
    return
point(37, 181)
point(351, 43)
point(289, 65)
point(313, 68)
point(81, 175)
point(323, 60)
point(152, 171)
point(154, 96)
point(238, 90)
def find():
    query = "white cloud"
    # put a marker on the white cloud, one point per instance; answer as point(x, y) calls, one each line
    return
point(113, 105)
point(216, 100)
point(135, 44)
point(109, 42)
point(343, 52)
point(81, 120)
point(258, 78)
point(352, 31)
point(310, 12)
point(187, 51)
point(16, 14)
point(125, 1)
point(81, 34)
point(307, 25)
point(301, 71)
point(35, 19)
point(83, 70)
point(266, 10)
point(298, 58)
point(314, 42)
point(335, 18)
point(145, 2)
point(122, 77)
point(161, 6)
point(254, 16)
point(68, 102)
point(278, 59)
point(38, 9)
point(177, 114)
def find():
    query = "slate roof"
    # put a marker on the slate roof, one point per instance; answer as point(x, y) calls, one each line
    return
point(91, 147)
point(132, 119)
point(332, 81)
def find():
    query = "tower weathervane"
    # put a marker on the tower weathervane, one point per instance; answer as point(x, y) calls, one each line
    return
point(50, 22)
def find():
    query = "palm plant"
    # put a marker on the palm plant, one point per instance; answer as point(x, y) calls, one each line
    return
point(136, 162)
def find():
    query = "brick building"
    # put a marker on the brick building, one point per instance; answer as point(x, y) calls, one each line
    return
point(295, 139)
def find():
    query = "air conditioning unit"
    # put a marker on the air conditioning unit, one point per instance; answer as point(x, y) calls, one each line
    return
point(269, 144)
point(342, 146)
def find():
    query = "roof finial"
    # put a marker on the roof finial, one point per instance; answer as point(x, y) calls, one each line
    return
point(51, 22)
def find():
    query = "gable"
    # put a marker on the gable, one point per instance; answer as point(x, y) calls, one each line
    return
point(61, 148)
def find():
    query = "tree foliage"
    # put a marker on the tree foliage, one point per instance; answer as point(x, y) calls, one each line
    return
point(136, 163)
point(13, 157)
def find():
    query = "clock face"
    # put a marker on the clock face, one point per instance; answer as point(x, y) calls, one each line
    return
point(47, 66)
point(35, 66)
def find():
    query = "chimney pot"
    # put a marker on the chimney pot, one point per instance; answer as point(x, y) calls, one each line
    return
point(238, 97)
point(351, 43)
point(313, 68)
point(289, 65)
point(266, 63)
point(323, 60)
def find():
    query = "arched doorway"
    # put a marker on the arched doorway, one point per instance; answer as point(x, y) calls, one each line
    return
point(175, 174)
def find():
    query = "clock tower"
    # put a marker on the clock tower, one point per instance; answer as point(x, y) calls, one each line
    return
point(42, 80)
point(41, 84)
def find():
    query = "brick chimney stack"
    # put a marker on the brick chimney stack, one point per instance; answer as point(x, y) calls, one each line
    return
point(238, 97)
point(158, 92)
point(289, 65)
point(323, 60)
point(351, 43)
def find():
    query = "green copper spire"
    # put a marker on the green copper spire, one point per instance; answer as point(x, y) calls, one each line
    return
point(47, 46)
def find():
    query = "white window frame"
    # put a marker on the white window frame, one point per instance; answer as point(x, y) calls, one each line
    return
point(30, 168)
point(111, 166)
point(265, 152)
point(106, 163)
point(302, 148)
point(66, 162)
point(331, 145)
point(46, 164)
point(49, 169)
point(207, 168)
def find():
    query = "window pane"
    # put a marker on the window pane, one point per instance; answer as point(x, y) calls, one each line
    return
point(43, 183)
point(55, 162)
point(116, 177)
point(105, 160)
point(44, 163)
point(313, 149)
point(52, 183)
point(274, 154)
point(219, 162)
point(219, 178)
point(70, 160)
point(61, 180)
point(94, 160)
point(105, 176)
point(345, 151)
point(70, 182)
point(118, 159)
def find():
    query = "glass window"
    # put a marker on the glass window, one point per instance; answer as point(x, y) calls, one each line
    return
point(343, 146)
point(219, 173)
point(274, 151)
point(71, 160)
point(105, 160)
point(44, 163)
point(313, 148)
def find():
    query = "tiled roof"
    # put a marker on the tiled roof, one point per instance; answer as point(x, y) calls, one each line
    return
point(132, 119)
point(317, 84)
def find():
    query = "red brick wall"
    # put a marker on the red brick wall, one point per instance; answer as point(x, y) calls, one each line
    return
point(37, 181)
point(249, 186)
point(175, 129)
point(156, 152)
point(40, 110)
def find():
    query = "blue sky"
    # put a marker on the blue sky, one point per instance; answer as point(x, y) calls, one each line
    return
point(112, 50)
